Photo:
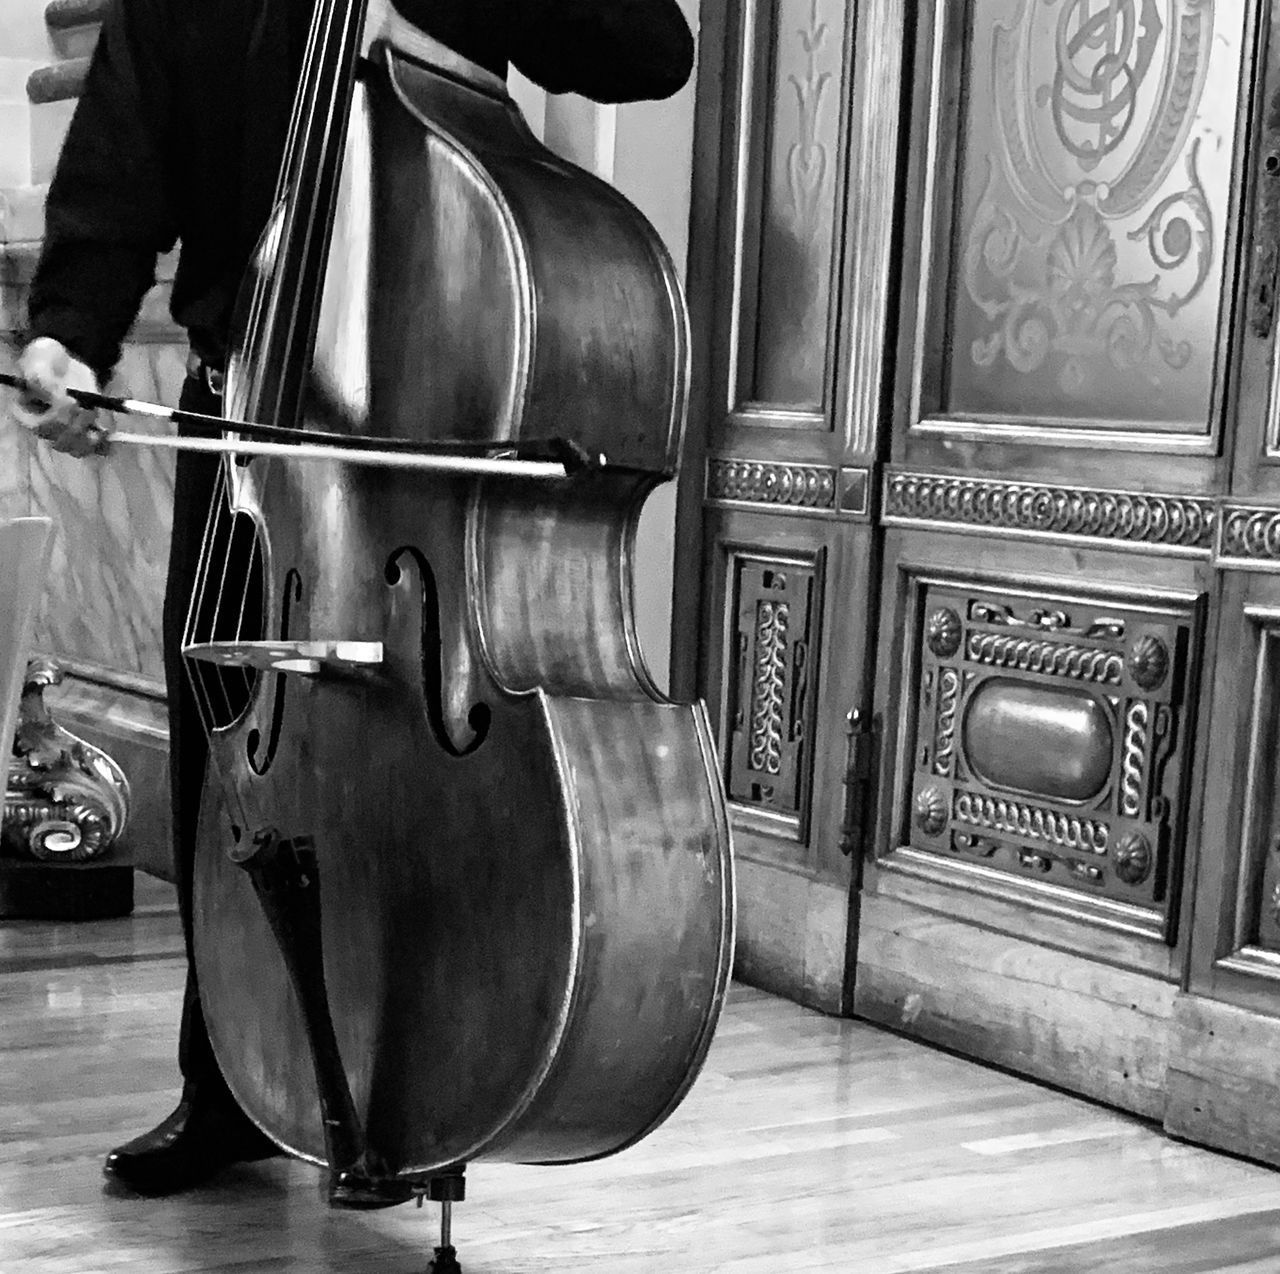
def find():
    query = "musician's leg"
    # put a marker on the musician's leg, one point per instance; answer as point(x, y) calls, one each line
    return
point(193, 492)
point(207, 1131)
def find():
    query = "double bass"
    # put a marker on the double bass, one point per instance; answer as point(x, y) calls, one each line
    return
point(463, 885)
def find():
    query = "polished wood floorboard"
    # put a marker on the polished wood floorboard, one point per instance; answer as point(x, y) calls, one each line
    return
point(807, 1144)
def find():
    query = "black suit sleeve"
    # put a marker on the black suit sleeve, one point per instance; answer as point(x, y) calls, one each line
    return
point(607, 50)
point(110, 209)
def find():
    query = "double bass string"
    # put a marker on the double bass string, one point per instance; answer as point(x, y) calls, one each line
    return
point(314, 122)
point(219, 529)
point(249, 573)
point(220, 606)
point(198, 676)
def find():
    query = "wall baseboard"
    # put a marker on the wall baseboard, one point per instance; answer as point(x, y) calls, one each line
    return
point(792, 934)
point(1043, 1013)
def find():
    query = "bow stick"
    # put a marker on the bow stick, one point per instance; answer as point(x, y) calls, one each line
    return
point(549, 458)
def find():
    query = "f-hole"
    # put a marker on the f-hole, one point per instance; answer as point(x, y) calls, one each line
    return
point(260, 765)
point(478, 715)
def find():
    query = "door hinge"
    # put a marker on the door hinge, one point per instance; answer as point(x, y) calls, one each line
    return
point(859, 788)
point(1266, 250)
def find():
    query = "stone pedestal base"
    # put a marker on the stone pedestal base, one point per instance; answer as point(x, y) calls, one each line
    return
point(32, 890)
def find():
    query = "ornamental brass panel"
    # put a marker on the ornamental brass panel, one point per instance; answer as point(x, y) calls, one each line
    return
point(1052, 738)
point(774, 680)
point(1095, 158)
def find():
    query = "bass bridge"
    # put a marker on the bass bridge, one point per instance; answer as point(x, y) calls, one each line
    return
point(303, 658)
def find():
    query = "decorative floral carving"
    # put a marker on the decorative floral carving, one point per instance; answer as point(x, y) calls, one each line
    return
point(1042, 619)
point(1059, 659)
point(1253, 534)
point(796, 485)
point(944, 631)
point(1041, 265)
point(1102, 61)
point(768, 687)
point(1078, 311)
point(1183, 522)
point(1017, 818)
point(1133, 763)
point(770, 753)
point(807, 156)
point(945, 735)
point(931, 811)
point(1133, 858)
point(1148, 661)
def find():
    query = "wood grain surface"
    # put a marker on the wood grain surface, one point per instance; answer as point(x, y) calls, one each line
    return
point(808, 1143)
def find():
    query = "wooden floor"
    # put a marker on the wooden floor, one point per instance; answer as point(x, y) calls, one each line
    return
point(808, 1143)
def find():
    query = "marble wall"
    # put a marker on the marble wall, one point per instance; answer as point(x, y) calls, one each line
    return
point(101, 613)
point(101, 610)
point(111, 516)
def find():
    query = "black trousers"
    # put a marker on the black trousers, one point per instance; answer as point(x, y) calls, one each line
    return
point(194, 488)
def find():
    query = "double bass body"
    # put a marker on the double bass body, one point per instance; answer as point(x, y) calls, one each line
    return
point(523, 857)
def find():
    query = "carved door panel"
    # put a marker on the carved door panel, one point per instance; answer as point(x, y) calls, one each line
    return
point(789, 288)
point(1049, 602)
point(1222, 1068)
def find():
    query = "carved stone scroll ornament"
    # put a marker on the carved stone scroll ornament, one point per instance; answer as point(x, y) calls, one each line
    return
point(65, 800)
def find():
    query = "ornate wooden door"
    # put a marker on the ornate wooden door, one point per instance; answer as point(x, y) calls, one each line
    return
point(1223, 1070)
point(1054, 612)
point(991, 406)
point(789, 285)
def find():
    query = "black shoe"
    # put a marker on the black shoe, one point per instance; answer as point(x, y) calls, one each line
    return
point(199, 1139)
